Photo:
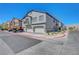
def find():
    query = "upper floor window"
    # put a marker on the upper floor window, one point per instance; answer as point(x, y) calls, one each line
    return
point(17, 23)
point(54, 20)
point(34, 19)
point(26, 21)
point(41, 18)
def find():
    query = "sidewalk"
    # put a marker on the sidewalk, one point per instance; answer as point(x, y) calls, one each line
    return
point(43, 36)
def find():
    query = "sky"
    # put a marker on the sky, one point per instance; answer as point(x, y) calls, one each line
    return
point(68, 13)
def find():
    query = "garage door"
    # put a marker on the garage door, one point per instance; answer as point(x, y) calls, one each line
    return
point(39, 30)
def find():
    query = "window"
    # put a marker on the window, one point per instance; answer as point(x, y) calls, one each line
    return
point(26, 21)
point(60, 24)
point(29, 26)
point(34, 19)
point(53, 20)
point(41, 18)
point(17, 23)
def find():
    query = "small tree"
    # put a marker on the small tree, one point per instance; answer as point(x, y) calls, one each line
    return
point(72, 28)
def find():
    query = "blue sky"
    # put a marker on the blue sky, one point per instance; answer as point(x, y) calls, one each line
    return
point(67, 13)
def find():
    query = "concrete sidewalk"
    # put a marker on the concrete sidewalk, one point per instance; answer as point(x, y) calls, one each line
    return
point(44, 36)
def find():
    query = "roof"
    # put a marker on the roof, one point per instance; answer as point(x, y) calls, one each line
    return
point(39, 12)
point(14, 19)
point(31, 11)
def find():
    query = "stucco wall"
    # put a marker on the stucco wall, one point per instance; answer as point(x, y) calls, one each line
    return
point(37, 14)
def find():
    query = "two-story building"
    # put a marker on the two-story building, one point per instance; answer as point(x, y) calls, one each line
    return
point(6, 25)
point(15, 23)
point(40, 22)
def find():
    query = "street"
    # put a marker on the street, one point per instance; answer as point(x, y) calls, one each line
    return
point(11, 44)
point(71, 46)
point(67, 46)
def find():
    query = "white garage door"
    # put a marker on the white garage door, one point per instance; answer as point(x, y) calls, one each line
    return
point(39, 30)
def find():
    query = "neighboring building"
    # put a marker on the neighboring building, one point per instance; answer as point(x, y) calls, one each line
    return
point(15, 23)
point(5, 25)
point(40, 22)
point(1, 26)
point(75, 26)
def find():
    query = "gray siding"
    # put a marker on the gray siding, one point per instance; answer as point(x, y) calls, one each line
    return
point(53, 24)
point(49, 23)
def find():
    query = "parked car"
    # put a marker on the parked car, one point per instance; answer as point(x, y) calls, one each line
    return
point(2, 29)
point(14, 30)
point(10, 30)
point(20, 29)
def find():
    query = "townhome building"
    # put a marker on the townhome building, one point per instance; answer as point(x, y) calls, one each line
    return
point(6, 25)
point(74, 26)
point(15, 23)
point(40, 22)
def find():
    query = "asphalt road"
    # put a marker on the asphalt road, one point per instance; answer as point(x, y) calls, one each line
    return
point(15, 44)
point(71, 46)
point(68, 46)
point(12, 44)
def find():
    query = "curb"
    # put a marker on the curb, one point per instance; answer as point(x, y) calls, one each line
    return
point(40, 37)
point(44, 37)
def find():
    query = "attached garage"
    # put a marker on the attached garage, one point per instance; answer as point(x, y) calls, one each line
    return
point(39, 29)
